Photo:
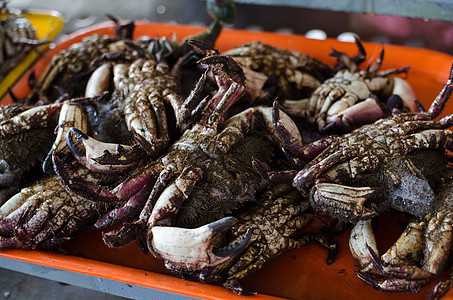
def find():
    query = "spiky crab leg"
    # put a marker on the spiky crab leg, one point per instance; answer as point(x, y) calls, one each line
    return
point(230, 82)
point(192, 249)
point(241, 124)
point(343, 201)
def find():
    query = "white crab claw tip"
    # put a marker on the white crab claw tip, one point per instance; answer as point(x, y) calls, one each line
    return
point(191, 249)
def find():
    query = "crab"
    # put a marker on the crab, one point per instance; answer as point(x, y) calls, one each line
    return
point(45, 214)
point(354, 97)
point(291, 74)
point(141, 90)
point(337, 164)
point(275, 223)
point(188, 175)
point(68, 71)
point(421, 252)
point(17, 37)
point(26, 135)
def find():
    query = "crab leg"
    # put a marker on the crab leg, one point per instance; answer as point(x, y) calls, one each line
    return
point(230, 81)
point(187, 111)
point(279, 126)
point(41, 116)
point(439, 103)
point(132, 207)
point(343, 200)
point(354, 168)
point(192, 249)
point(168, 203)
point(429, 139)
point(123, 191)
point(143, 107)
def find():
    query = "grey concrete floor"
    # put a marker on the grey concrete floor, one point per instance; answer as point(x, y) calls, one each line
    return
point(19, 286)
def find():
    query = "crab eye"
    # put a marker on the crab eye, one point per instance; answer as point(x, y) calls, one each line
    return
point(76, 67)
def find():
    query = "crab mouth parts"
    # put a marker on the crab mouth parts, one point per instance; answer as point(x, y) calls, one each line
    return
point(193, 249)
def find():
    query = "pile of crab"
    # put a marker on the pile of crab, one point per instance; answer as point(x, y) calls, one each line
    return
point(187, 151)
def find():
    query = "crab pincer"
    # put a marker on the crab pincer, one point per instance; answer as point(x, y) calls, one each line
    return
point(192, 249)
point(99, 156)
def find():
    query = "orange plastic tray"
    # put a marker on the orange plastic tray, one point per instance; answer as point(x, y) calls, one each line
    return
point(299, 274)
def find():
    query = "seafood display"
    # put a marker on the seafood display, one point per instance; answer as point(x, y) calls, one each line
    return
point(199, 157)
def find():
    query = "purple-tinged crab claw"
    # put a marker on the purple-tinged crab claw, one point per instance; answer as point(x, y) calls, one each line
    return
point(391, 284)
point(97, 156)
point(192, 249)
point(362, 113)
point(222, 65)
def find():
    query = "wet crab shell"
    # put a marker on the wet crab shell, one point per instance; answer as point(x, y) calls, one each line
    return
point(295, 75)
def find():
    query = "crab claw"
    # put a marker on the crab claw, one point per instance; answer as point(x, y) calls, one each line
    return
point(192, 249)
point(222, 65)
point(97, 156)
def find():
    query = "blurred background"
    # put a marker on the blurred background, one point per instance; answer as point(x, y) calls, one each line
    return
point(411, 23)
point(416, 23)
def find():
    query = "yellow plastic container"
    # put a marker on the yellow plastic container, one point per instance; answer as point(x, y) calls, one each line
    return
point(48, 24)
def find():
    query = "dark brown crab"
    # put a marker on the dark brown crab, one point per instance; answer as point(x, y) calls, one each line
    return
point(349, 159)
point(189, 174)
point(141, 84)
point(142, 90)
point(275, 223)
